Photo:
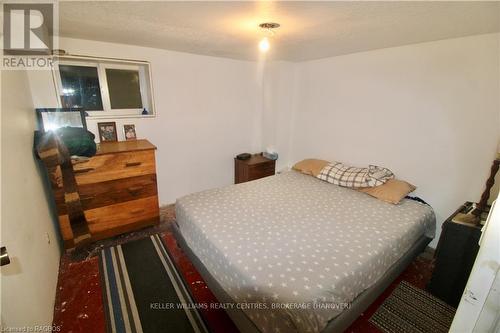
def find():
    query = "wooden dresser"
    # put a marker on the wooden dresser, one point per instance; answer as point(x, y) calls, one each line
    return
point(117, 190)
point(257, 166)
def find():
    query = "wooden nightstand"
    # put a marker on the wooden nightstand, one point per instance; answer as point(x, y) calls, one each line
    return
point(455, 255)
point(255, 167)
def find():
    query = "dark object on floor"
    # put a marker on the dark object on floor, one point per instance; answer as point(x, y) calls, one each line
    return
point(255, 167)
point(144, 291)
point(412, 310)
point(455, 256)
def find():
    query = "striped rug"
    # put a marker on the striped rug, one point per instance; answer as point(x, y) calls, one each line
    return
point(144, 292)
point(412, 310)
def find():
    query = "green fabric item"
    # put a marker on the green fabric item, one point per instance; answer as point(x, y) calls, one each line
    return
point(79, 141)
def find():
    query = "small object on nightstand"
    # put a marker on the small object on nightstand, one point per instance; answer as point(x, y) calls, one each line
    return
point(270, 155)
point(455, 255)
point(243, 156)
point(255, 167)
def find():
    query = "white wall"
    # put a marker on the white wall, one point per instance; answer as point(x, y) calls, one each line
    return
point(430, 112)
point(206, 113)
point(278, 100)
point(28, 283)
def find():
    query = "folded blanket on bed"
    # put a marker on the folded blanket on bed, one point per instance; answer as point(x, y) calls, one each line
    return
point(343, 175)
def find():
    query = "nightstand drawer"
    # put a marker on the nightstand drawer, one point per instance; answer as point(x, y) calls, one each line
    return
point(264, 169)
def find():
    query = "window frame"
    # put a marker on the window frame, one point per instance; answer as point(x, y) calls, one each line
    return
point(145, 84)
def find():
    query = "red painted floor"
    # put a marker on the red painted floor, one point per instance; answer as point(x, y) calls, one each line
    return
point(79, 305)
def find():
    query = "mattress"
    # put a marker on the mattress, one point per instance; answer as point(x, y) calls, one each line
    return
point(293, 251)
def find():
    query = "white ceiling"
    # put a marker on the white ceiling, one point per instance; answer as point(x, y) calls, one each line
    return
point(309, 30)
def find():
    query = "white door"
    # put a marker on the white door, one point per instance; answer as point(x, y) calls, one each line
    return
point(28, 283)
point(479, 308)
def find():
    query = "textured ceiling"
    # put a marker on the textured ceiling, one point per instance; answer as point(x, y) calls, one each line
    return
point(309, 30)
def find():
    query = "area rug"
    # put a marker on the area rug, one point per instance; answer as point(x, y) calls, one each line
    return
point(143, 292)
point(413, 310)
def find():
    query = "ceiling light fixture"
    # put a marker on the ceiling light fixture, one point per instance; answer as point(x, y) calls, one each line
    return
point(264, 45)
point(268, 27)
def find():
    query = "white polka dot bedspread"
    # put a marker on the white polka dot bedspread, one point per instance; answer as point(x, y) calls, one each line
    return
point(300, 248)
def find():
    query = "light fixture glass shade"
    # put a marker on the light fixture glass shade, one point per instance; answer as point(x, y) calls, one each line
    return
point(264, 45)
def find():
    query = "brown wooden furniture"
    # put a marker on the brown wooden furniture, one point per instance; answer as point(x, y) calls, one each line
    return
point(255, 167)
point(117, 189)
point(483, 202)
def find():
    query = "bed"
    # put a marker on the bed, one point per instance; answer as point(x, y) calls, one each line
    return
point(291, 253)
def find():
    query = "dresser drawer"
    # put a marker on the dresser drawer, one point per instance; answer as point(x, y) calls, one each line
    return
point(111, 192)
point(101, 168)
point(115, 219)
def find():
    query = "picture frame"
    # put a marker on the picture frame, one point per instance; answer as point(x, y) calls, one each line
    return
point(50, 119)
point(129, 132)
point(107, 131)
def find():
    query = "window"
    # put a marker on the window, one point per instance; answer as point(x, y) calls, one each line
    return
point(81, 85)
point(124, 88)
point(105, 88)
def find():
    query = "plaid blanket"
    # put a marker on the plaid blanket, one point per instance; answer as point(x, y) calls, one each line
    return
point(343, 175)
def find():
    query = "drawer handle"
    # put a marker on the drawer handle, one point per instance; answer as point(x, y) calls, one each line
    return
point(87, 198)
point(75, 162)
point(134, 190)
point(137, 211)
point(84, 170)
point(132, 164)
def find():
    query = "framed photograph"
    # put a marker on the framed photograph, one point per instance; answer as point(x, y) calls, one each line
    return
point(107, 132)
point(50, 119)
point(129, 131)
